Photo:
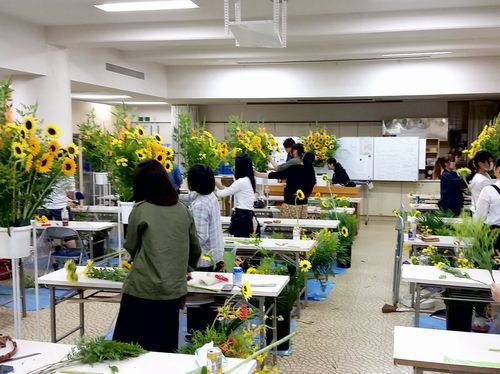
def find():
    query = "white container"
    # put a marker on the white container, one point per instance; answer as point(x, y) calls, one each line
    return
point(412, 229)
point(101, 179)
point(125, 209)
point(17, 244)
point(296, 233)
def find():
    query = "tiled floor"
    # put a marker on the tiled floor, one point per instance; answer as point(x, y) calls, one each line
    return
point(347, 333)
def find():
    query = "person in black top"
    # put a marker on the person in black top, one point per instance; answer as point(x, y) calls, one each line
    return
point(339, 174)
point(298, 177)
point(452, 187)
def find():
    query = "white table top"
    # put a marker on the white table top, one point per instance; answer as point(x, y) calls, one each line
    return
point(80, 225)
point(441, 349)
point(433, 276)
point(310, 210)
point(444, 241)
point(354, 200)
point(96, 209)
point(290, 222)
point(147, 363)
point(430, 206)
point(275, 245)
point(58, 279)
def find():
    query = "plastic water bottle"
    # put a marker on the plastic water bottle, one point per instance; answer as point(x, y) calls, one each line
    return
point(412, 230)
point(65, 216)
point(296, 232)
point(237, 276)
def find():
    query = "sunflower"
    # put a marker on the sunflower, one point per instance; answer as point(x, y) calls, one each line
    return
point(23, 134)
point(325, 204)
point(169, 166)
point(251, 270)
point(54, 147)
point(18, 150)
point(317, 195)
point(68, 167)
point(300, 195)
point(109, 153)
point(52, 130)
point(139, 131)
point(317, 146)
point(34, 145)
point(29, 163)
point(125, 264)
point(304, 265)
point(223, 152)
point(29, 124)
point(344, 232)
point(169, 152)
point(72, 150)
point(44, 163)
point(158, 137)
point(246, 290)
point(325, 177)
point(122, 161)
point(160, 157)
point(140, 154)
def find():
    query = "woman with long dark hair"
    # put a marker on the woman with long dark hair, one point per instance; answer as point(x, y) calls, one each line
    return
point(480, 165)
point(452, 187)
point(243, 221)
point(163, 245)
point(298, 177)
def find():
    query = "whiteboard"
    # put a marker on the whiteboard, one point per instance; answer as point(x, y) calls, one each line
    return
point(396, 158)
point(356, 156)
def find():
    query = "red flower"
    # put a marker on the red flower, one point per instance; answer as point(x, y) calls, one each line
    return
point(243, 312)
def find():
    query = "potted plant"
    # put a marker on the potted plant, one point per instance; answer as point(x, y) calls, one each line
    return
point(31, 160)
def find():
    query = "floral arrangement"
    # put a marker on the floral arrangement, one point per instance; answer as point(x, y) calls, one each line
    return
point(119, 151)
point(197, 145)
point(321, 143)
point(488, 140)
point(245, 137)
point(31, 161)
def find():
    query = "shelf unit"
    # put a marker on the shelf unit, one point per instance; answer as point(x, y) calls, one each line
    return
point(431, 155)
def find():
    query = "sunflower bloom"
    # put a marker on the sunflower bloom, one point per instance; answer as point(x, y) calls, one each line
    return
point(29, 124)
point(300, 195)
point(18, 150)
point(168, 166)
point(29, 163)
point(139, 131)
point(344, 231)
point(246, 290)
point(251, 270)
point(169, 152)
point(34, 145)
point(109, 153)
point(54, 147)
point(304, 265)
point(23, 133)
point(140, 154)
point(157, 137)
point(325, 204)
point(161, 157)
point(52, 131)
point(72, 150)
point(122, 161)
point(317, 195)
point(44, 163)
point(68, 167)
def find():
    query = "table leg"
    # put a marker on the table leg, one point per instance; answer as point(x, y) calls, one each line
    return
point(416, 323)
point(22, 288)
point(418, 370)
point(262, 322)
point(82, 313)
point(275, 330)
point(52, 293)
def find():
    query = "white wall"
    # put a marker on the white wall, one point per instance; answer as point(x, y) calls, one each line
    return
point(102, 113)
point(88, 65)
point(22, 46)
point(444, 76)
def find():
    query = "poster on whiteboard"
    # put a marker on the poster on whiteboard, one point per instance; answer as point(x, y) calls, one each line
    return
point(280, 157)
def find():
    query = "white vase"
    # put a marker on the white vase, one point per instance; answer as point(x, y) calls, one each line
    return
point(125, 209)
point(17, 244)
point(321, 170)
point(101, 179)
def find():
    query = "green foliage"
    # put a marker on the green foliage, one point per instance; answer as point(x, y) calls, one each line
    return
point(117, 274)
point(91, 351)
point(323, 257)
point(290, 293)
point(481, 239)
point(95, 143)
point(202, 337)
point(277, 235)
point(350, 222)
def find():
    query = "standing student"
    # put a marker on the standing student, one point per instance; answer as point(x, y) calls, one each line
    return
point(480, 165)
point(297, 152)
point(243, 221)
point(205, 209)
point(176, 176)
point(163, 244)
point(452, 187)
point(298, 177)
point(340, 175)
point(287, 144)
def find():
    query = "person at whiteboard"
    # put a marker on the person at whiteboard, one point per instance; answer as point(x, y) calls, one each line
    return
point(340, 176)
point(452, 187)
point(297, 151)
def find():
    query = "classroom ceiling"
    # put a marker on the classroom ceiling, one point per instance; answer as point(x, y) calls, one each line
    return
point(318, 30)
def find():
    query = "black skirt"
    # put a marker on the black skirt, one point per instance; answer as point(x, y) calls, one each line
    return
point(153, 324)
point(242, 223)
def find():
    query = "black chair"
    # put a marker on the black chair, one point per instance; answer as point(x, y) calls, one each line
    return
point(58, 238)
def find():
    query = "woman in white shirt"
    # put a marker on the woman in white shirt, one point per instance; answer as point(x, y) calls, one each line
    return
point(480, 165)
point(488, 203)
point(243, 221)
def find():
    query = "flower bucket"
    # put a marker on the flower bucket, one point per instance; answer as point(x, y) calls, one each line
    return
point(101, 179)
point(321, 170)
point(17, 245)
point(125, 209)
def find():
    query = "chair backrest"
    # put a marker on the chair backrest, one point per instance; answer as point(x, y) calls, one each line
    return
point(62, 233)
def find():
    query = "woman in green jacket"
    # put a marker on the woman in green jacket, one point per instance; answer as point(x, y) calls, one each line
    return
point(162, 241)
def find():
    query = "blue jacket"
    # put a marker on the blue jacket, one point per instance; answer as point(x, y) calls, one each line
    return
point(452, 197)
point(176, 176)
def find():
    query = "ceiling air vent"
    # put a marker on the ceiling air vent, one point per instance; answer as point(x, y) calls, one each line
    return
point(125, 71)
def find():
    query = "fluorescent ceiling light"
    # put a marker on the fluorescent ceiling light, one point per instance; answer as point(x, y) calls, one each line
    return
point(139, 102)
point(84, 96)
point(147, 5)
point(417, 54)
